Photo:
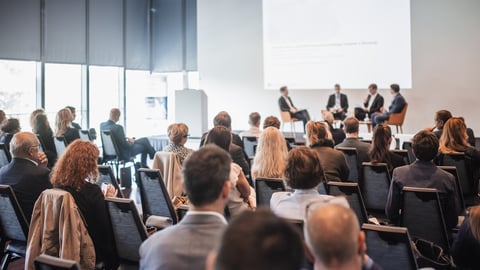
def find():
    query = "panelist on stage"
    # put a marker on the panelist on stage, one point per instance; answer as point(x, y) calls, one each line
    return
point(396, 106)
point(338, 104)
point(373, 103)
point(286, 105)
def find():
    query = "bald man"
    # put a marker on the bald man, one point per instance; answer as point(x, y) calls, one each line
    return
point(27, 173)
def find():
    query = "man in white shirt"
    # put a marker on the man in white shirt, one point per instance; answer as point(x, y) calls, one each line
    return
point(373, 103)
point(338, 104)
point(254, 122)
point(286, 105)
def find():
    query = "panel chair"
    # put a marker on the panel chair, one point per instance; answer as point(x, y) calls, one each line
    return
point(105, 175)
point(154, 196)
point(458, 188)
point(84, 135)
point(390, 247)
point(128, 229)
point(5, 156)
point(404, 154)
point(47, 262)
point(351, 156)
point(375, 185)
point(265, 187)
point(60, 144)
point(397, 119)
point(13, 227)
point(250, 145)
point(111, 153)
point(353, 195)
point(287, 118)
point(423, 216)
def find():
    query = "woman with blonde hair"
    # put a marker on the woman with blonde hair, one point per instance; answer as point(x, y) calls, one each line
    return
point(76, 171)
point(63, 126)
point(271, 155)
point(178, 135)
point(333, 161)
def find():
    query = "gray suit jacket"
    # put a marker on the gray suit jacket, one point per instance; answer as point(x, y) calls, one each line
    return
point(362, 148)
point(183, 246)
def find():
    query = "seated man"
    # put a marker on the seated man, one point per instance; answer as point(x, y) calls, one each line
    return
point(128, 146)
point(27, 173)
point(254, 122)
point(397, 105)
point(257, 241)
point(441, 117)
point(338, 104)
point(351, 126)
point(286, 105)
point(373, 103)
point(186, 245)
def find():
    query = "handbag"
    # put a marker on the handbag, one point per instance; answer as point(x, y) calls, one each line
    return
point(429, 254)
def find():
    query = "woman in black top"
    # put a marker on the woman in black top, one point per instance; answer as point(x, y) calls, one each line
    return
point(41, 127)
point(466, 247)
point(63, 124)
point(380, 149)
point(75, 172)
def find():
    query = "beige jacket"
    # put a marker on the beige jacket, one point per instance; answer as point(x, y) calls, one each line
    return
point(171, 169)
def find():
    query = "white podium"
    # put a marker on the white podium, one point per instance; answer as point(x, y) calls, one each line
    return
point(191, 108)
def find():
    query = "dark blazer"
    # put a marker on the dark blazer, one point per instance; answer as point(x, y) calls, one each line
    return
point(71, 134)
point(397, 105)
point(466, 249)
point(376, 105)
point(118, 133)
point(343, 102)
point(27, 181)
point(48, 145)
point(282, 103)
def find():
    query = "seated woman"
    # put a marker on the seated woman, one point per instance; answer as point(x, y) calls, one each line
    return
point(304, 173)
point(63, 126)
point(242, 196)
point(41, 127)
point(338, 134)
point(466, 247)
point(12, 126)
point(271, 156)
point(380, 149)
point(76, 172)
point(178, 135)
point(333, 161)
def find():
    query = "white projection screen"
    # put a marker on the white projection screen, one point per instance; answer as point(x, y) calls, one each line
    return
point(313, 44)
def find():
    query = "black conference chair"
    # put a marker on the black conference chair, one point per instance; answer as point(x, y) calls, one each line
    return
point(375, 185)
point(390, 247)
point(60, 145)
point(352, 160)
point(353, 195)
point(458, 189)
point(408, 146)
point(111, 152)
point(265, 187)
point(47, 262)
point(5, 156)
point(13, 227)
point(105, 175)
point(250, 146)
point(404, 154)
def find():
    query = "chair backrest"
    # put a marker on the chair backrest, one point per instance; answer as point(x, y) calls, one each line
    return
point(403, 154)
point(398, 118)
point(458, 187)
point(250, 145)
point(5, 156)
point(265, 187)
point(407, 145)
point(465, 177)
point(351, 156)
point(60, 144)
point(13, 224)
point(105, 175)
point(285, 117)
point(353, 195)
point(390, 247)
point(110, 150)
point(127, 227)
point(47, 262)
point(84, 135)
point(375, 184)
point(154, 195)
point(423, 216)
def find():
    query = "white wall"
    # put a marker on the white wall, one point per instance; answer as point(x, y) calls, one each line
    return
point(445, 63)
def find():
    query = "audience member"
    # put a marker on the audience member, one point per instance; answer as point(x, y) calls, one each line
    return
point(271, 121)
point(441, 118)
point(74, 114)
point(373, 103)
point(242, 196)
point(286, 105)
point(41, 127)
point(338, 104)
point(333, 161)
point(338, 134)
point(63, 126)
point(11, 127)
point(187, 244)
point(304, 173)
point(271, 156)
point(351, 129)
point(396, 106)
point(258, 241)
point(178, 135)
point(76, 172)
point(254, 122)
point(128, 146)
point(466, 247)
point(380, 149)
point(26, 173)
point(34, 114)
point(423, 174)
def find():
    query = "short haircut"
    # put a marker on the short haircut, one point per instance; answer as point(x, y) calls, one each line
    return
point(373, 86)
point(443, 115)
point(176, 132)
point(260, 240)
point(271, 121)
point(395, 87)
point(222, 119)
point(11, 125)
point(337, 85)
point(425, 145)
point(304, 169)
point(21, 143)
point(254, 119)
point(220, 136)
point(283, 88)
point(205, 172)
point(351, 125)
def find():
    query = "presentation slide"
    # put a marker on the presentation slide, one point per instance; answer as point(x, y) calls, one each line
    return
point(313, 44)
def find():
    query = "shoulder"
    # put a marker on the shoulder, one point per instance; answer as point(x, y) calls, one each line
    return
point(278, 197)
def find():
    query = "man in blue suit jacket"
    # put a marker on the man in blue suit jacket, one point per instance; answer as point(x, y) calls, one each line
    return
point(397, 105)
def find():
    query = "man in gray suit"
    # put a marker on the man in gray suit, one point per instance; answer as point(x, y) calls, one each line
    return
point(187, 244)
point(351, 126)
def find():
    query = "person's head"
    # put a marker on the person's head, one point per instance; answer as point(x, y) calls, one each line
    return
point(284, 90)
point(441, 118)
point(372, 88)
point(220, 136)
point(178, 133)
point(271, 121)
point(254, 119)
point(394, 88)
point(337, 88)
point(256, 241)
point(454, 136)
point(381, 139)
point(63, 121)
point(304, 169)
point(34, 114)
point(12, 126)
point(425, 145)
point(206, 175)
point(328, 116)
point(76, 166)
point(271, 155)
point(351, 125)
point(72, 110)
point(114, 115)
point(41, 124)
point(333, 236)
point(474, 219)
point(24, 144)
point(223, 119)
point(318, 133)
